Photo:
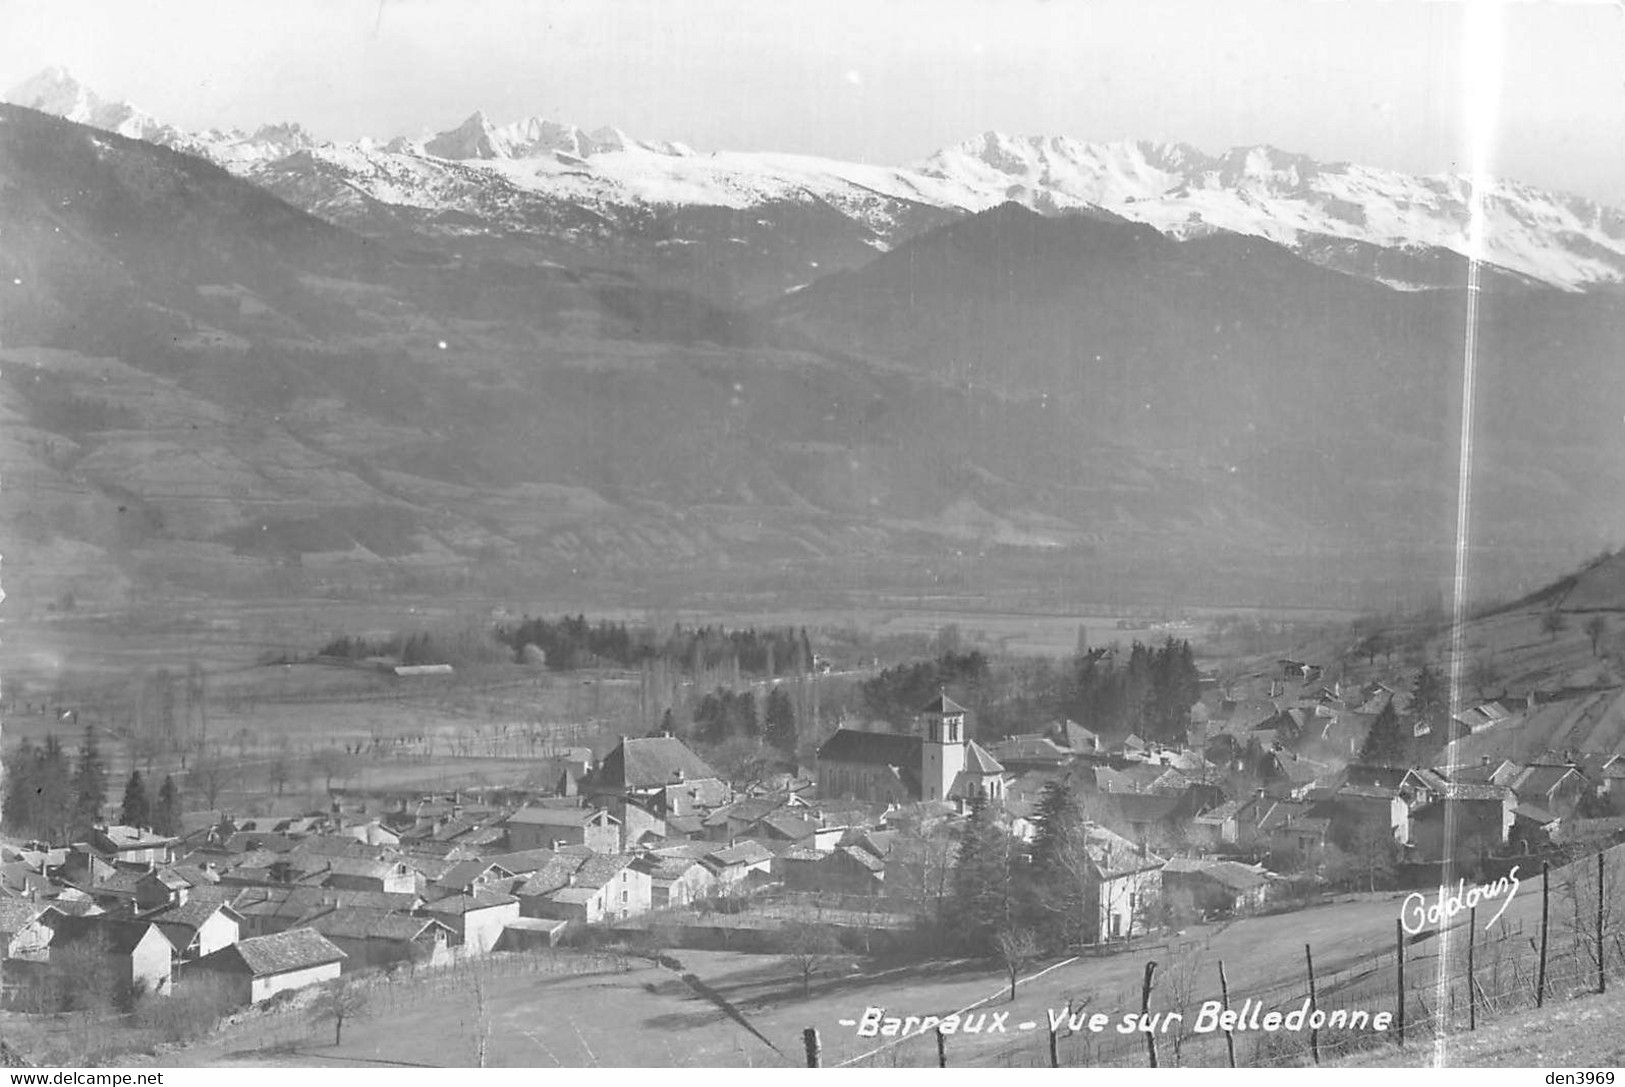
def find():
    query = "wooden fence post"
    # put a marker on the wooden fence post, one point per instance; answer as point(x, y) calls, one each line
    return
point(942, 1050)
point(1229, 1035)
point(1472, 996)
point(1314, 1034)
point(1602, 949)
point(809, 1038)
point(1145, 1007)
point(1054, 1051)
point(1545, 897)
point(1399, 958)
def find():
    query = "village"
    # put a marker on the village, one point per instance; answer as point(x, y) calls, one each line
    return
point(1270, 802)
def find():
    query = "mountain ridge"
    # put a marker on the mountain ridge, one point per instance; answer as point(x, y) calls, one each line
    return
point(560, 188)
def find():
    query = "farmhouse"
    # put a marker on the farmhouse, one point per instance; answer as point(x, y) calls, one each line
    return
point(258, 968)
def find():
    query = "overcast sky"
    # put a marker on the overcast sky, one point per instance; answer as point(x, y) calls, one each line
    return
point(885, 81)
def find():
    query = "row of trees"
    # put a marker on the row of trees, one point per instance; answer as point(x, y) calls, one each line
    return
point(724, 715)
point(58, 799)
point(573, 642)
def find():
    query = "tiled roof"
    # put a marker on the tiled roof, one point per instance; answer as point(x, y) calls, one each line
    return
point(978, 761)
point(194, 912)
point(364, 924)
point(122, 837)
point(747, 851)
point(942, 704)
point(551, 876)
point(790, 825)
point(461, 904)
point(652, 762)
point(281, 952)
point(522, 863)
point(1540, 779)
point(600, 869)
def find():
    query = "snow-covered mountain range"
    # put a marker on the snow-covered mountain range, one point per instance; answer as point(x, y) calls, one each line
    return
point(547, 180)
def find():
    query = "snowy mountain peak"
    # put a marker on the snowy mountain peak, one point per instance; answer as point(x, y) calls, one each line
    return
point(54, 90)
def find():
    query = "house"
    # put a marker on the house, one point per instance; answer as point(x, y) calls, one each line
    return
point(373, 938)
point(1200, 888)
point(258, 968)
point(1481, 816)
point(361, 874)
point(1123, 882)
point(135, 954)
point(660, 771)
point(846, 869)
point(1559, 788)
point(675, 881)
point(199, 926)
point(603, 888)
point(265, 910)
point(476, 921)
point(1358, 812)
point(736, 864)
point(26, 931)
point(552, 828)
point(131, 846)
point(1289, 827)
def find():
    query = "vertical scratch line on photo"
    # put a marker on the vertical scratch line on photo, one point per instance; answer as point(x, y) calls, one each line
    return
point(1481, 67)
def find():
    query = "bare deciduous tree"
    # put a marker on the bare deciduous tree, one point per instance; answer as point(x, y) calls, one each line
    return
point(340, 1002)
point(1017, 947)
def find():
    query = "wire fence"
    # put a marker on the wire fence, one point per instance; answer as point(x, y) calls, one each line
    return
point(1458, 978)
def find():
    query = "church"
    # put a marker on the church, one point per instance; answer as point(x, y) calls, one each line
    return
point(940, 763)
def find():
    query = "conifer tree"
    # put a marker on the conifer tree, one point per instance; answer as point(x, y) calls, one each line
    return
point(1385, 744)
point(89, 784)
point(166, 817)
point(982, 900)
point(18, 770)
point(53, 805)
point(1428, 695)
point(136, 811)
point(779, 722)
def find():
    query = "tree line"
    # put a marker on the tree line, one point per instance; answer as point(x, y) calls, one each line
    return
point(56, 798)
point(572, 642)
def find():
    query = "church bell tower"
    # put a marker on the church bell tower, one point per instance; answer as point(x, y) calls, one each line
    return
point(942, 755)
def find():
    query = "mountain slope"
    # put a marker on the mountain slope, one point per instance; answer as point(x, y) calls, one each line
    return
point(1313, 386)
point(207, 390)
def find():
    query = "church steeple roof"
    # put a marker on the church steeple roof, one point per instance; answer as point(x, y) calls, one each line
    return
point(943, 705)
